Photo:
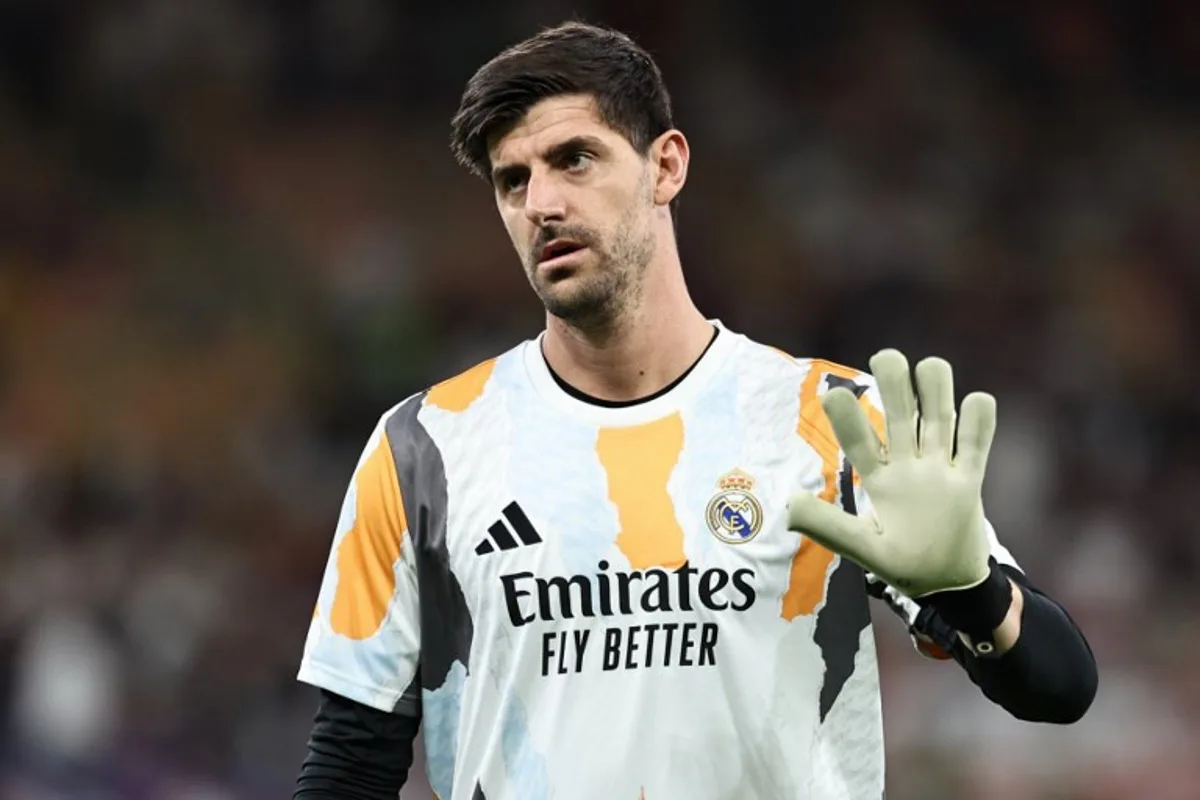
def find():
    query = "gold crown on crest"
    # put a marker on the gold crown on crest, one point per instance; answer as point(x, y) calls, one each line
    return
point(735, 480)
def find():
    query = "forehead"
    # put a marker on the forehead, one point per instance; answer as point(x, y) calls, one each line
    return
point(548, 122)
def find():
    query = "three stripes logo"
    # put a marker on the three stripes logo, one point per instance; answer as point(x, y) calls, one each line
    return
point(502, 537)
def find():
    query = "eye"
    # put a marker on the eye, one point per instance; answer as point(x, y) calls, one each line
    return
point(579, 161)
point(512, 182)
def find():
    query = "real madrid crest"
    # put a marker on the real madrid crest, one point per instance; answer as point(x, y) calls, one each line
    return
point(734, 514)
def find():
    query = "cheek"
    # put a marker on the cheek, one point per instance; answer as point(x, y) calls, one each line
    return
point(624, 213)
point(630, 199)
point(517, 232)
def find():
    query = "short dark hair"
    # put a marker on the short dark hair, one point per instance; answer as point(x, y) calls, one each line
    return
point(570, 58)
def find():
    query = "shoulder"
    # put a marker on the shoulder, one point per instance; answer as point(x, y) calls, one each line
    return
point(464, 388)
point(452, 396)
point(459, 392)
point(808, 378)
point(815, 375)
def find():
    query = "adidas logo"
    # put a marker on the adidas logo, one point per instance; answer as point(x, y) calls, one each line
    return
point(502, 537)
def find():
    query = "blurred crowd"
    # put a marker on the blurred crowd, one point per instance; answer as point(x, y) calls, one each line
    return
point(231, 235)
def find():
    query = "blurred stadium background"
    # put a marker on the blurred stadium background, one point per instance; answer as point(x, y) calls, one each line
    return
point(231, 235)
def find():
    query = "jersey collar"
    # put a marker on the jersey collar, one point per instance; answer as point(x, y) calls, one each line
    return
point(652, 409)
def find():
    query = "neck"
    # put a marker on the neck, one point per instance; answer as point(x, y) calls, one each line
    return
point(648, 348)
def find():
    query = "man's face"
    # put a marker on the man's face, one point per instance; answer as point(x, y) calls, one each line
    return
point(577, 201)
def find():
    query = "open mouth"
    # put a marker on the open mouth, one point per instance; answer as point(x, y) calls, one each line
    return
point(558, 249)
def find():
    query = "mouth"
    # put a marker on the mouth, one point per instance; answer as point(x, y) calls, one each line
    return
point(558, 252)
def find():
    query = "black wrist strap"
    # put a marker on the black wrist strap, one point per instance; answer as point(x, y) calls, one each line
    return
point(977, 611)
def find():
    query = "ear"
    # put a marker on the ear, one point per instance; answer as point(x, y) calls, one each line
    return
point(669, 156)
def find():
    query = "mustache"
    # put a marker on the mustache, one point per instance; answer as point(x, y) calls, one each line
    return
point(549, 233)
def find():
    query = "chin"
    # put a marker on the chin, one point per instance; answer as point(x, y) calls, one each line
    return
point(579, 295)
point(579, 309)
point(562, 286)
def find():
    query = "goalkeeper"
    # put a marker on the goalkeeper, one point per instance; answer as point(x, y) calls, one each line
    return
point(631, 558)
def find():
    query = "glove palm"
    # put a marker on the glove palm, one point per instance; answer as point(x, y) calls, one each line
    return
point(926, 533)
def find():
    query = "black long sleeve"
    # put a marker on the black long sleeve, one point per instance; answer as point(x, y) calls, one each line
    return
point(1049, 675)
point(356, 752)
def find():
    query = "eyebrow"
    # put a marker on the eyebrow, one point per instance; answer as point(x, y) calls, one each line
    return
point(554, 154)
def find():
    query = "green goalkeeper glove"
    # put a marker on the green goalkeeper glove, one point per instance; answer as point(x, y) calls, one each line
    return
point(927, 532)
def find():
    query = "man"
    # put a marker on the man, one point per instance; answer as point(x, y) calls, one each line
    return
point(632, 558)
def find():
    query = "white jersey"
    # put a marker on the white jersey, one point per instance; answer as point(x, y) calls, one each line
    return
point(585, 601)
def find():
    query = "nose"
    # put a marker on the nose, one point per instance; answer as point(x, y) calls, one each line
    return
point(545, 201)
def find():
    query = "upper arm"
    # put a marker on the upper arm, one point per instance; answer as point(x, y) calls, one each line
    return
point(356, 752)
point(364, 639)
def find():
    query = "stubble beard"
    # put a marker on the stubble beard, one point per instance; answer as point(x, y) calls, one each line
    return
point(598, 301)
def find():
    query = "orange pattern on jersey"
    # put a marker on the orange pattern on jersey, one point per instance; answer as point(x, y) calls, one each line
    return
point(639, 461)
point(458, 393)
point(367, 554)
point(810, 565)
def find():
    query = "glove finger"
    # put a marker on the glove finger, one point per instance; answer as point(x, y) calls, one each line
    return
point(834, 529)
point(853, 430)
point(891, 372)
point(935, 384)
point(976, 429)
